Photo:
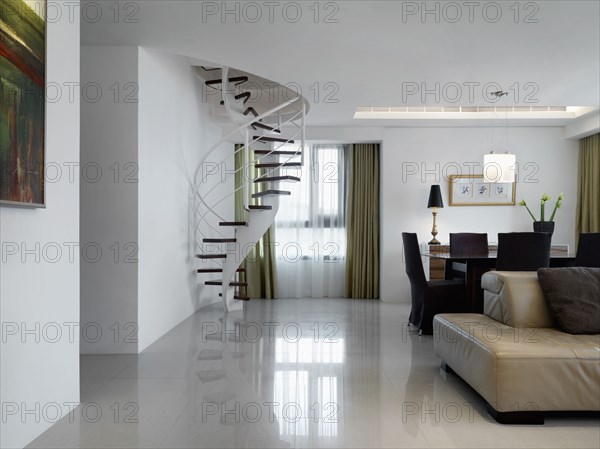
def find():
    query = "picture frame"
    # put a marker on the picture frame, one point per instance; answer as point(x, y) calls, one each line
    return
point(23, 103)
point(471, 190)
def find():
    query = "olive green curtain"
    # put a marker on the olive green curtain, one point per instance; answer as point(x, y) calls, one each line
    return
point(362, 226)
point(260, 260)
point(588, 188)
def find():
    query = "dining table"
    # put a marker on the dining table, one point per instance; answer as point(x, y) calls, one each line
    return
point(474, 265)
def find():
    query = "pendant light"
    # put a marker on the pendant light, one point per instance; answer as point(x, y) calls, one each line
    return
point(499, 167)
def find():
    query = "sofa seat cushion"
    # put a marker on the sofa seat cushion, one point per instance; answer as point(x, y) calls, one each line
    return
point(521, 369)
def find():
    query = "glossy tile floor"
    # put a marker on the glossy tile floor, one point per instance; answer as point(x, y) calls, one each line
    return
point(291, 373)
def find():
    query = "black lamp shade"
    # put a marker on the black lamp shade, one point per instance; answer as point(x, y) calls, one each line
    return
point(435, 197)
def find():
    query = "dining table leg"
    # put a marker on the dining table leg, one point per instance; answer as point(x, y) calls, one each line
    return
point(475, 269)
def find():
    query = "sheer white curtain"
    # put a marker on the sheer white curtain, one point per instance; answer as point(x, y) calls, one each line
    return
point(310, 228)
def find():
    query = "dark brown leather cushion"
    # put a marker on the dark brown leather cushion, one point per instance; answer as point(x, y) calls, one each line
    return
point(573, 297)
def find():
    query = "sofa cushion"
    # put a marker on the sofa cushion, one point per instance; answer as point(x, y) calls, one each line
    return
point(515, 298)
point(573, 297)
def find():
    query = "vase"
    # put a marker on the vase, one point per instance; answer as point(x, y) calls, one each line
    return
point(543, 226)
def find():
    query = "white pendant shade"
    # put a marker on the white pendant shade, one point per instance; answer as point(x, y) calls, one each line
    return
point(499, 167)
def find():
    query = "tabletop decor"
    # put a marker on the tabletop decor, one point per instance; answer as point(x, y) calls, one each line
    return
point(435, 201)
point(543, 225)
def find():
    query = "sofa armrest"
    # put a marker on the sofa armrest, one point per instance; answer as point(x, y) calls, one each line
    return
point(515, 298)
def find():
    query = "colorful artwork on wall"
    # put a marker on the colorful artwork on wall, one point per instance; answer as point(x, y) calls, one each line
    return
point(22, 105)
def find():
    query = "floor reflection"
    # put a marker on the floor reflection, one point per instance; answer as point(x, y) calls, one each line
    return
point(291, 373)
point(308, 400)
point(309, 350)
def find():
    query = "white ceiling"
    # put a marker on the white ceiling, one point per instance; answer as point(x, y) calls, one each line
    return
point(373, 55)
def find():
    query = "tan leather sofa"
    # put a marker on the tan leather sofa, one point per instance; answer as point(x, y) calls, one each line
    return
point(514, 356)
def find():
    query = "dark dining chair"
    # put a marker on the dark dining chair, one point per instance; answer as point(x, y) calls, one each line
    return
point(468, 244)
point(588, 250)
point(429, 297)
point(465, 244)
point(523, 251)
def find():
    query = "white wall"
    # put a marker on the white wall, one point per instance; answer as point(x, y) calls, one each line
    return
point(40, 293)
point(152, 124)
point(403, 201)
point(109, 221)
point(174, 131)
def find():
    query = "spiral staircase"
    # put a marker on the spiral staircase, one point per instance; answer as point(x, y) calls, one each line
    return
point(270, 120)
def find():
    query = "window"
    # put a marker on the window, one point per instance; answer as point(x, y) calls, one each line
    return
point(311, 222)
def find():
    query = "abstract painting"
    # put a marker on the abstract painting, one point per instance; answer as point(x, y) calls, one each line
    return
point(22, 102)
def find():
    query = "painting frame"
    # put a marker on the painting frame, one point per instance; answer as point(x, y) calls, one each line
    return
point(471, 190)
point(23, 115)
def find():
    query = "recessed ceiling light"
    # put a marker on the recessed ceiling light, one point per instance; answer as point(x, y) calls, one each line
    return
point(470, 112)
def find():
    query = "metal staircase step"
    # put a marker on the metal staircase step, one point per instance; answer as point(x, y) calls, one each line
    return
point(265, 127)
point(211, 256)
point(270, 192)
point(219, 240)
point(277, 178)
point(260, 207)
point(211, 375)
point(231, 284)
point(278, 153)
point(210, 354)
point(233, 337)
point(272, 139)
point(277, 164)
point(233, 223)
point(244, 95)
point(235, 79)
point(210, 69)
point(252, 111)
point(219, 397)
point(240, 297)
point(215, 354)
point(218, 270)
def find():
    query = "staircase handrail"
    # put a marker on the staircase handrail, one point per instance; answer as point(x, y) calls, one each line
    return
point(240, 128)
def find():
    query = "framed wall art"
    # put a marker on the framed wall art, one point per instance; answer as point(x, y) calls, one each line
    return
point(22, 105)
point(471, 190)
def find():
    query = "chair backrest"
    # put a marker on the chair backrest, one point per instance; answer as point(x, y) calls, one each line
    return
point(468, 244)
point(523, 251)
point(412, 259)
point(588, 250)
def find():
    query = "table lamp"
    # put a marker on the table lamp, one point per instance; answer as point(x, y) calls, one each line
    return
point(435, 201)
